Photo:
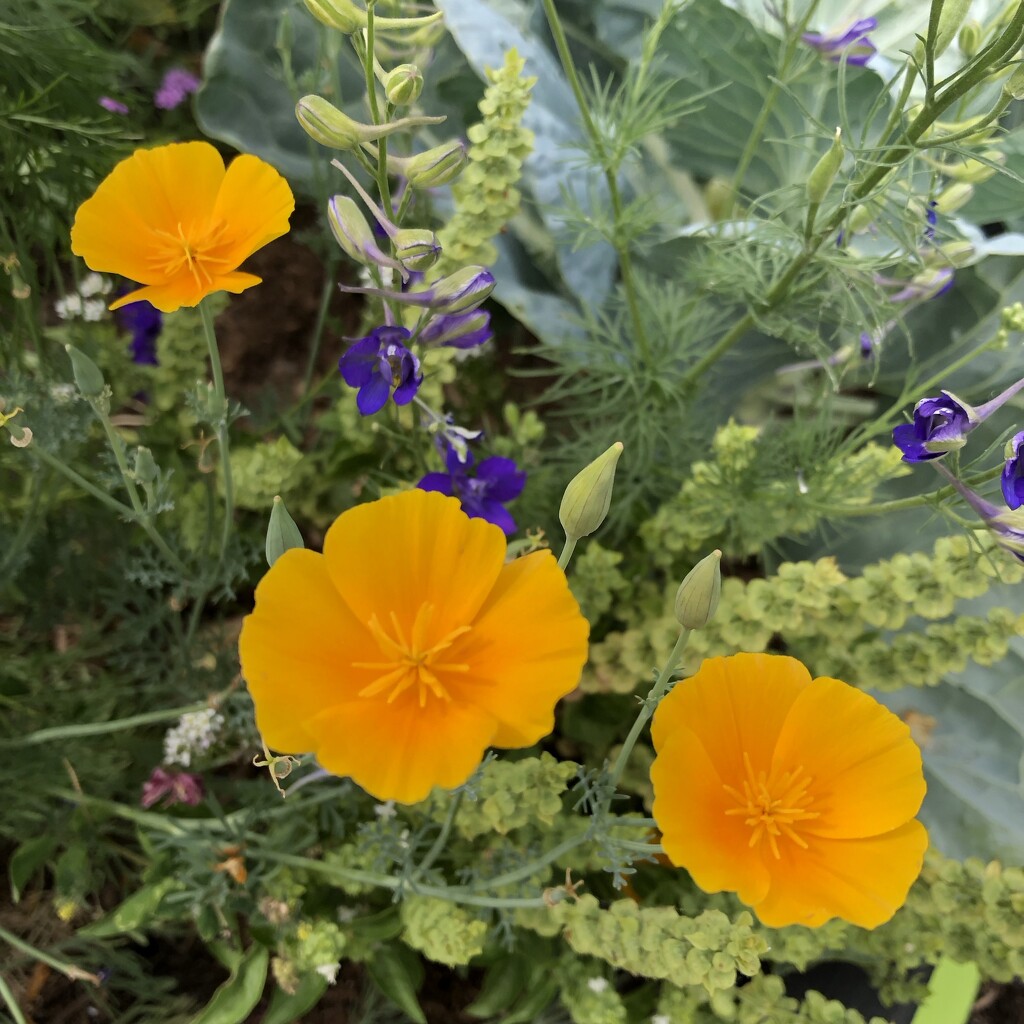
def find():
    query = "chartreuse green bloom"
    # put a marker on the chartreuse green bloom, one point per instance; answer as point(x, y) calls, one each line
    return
point(798, 794)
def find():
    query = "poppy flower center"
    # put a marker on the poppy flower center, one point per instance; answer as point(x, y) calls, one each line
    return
point(413, 659)
point(773, 806)
point(191, 253)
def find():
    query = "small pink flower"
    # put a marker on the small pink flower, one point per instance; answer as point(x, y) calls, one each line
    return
point(177, 84)
point(172, 788)
point(114, 106)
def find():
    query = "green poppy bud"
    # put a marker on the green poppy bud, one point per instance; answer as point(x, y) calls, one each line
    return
point(825, 171)
point(417, 249)
point(87, 374)
point(698, 594)
point(145, 470)
point(282, 533)
point(403, 85)
point(588, 496)
point(325, 123)
point(433, 167)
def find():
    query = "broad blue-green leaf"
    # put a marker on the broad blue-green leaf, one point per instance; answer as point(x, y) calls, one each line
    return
point(1001, 198)
point(484, 31)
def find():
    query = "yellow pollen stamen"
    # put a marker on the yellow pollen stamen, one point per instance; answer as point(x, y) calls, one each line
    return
point(411, 661)
point(771, 807)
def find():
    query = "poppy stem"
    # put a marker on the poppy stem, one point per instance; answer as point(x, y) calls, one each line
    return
point(567, 549)
point(658, 691)
point(442, 837)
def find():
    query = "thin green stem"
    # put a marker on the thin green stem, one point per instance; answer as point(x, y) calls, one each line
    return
point(326, 293)
point(17, 1017)
point(661, 685)
point(528, 870)
point(66, 732)
point(383, 186)
point(621, 247)
point(442, 838)
point(67, 969)
point(567, 549)
point(633, 847)
point(221, 402)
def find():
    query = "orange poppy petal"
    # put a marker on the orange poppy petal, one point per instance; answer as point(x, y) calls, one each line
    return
point(863, 881)
point(690, 805)
point(736, 705)
point(866, 769)
point(418, 547)
point(164, 191)
point(400, 751)
point(297, 647)
point(254, 202)
point(527, 649)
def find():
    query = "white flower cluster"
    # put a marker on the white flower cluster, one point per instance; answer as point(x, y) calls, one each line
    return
point(193, 735)
point(86, 303)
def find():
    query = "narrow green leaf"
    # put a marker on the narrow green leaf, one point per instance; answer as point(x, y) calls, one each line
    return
point(237, 997)
point(285, 1008)
point(27, 859)
point(398, 973)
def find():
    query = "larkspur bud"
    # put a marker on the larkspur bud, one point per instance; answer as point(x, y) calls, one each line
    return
point(950, 19)
point(462, 291)
point(1014, 85)
point(970, 38)
point(348, 17)
point(974, 172)
point(355, 236)
point(417, 249)
point(145, 469)
point(698, 594)
point(588, 496)
point(325, 123)
point(863, 216)
point(464, 330)
point(282, 533)
point(953, 197)
point(825, 170)
point(87, 374)
point(433, 167)
point(403, 85)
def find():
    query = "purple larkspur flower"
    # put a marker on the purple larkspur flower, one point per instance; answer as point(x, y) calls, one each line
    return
point(172, 788)
point(114, 106)
point(941, 424)
point(484, 493)
point(144, 322)
point(853, 45)
point(176, 85)
point(1007, 526)
point(381, 367)
point(461, 330)
point(1013, 473)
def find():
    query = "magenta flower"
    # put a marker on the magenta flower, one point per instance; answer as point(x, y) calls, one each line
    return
point(176, 86)
point(172, 788)
point(1013, 473)
point(114, 106)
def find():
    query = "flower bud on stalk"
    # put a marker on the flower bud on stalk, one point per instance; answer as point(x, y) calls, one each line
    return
point(970, 38)
point(825, 171)
point(403, 85)
point(355, 236)
point(433, 167)
point(951, 18)
point(1014, 85)
point(86, 373)
point(953, 197)
point(460, 292)
point(348, 17)
point(145, 470)
point(698, 594)
point(282, 533)
point(417, 249)
point(325, 123)
point(588, 496)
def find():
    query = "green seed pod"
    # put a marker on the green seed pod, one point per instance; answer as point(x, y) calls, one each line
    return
point(698, 594)
point(974, 172)
point(825, 171)
point(588, 496)
point(433, 167)
point(953, 197)
point(950, 19)
point(403, 85)
point(282, 533)
point(417, 249)
point(87, 374)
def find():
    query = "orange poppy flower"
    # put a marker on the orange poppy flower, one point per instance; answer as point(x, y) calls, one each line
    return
point(173, 219)
point(410, 646)
point(797, 794)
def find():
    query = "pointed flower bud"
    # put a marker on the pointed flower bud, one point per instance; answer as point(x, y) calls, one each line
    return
point(417, 249)
point(346, 16)
point(464, 330)
point(1014, 85)
point(325, 123)
point(433, 167)
point(1008, 526)
point(145, 470)
point(825, 170)
point(87, 374)
point(970, 38)
point(460, 292)
point(403, 85)
point(282, 533)
point(953, 197)
point(698, 594)
point(951, 17)
point(588, 496)
point(355, 236)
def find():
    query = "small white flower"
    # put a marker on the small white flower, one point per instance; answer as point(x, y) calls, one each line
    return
point(661, 1018)
point(94, 284)
point(346, 914)
point(69, 307)
point(385, 810)
point(328, 971)
point(193, 735)
point(63, 393)
point(597, 985)
point(94, 310)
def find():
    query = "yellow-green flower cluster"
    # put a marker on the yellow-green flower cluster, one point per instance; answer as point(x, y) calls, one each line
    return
point(588, 994)
point(442, 931)
point(658, 942)
point(486, 197)
point(596, 580)
point(263, 470)
point(511, 794)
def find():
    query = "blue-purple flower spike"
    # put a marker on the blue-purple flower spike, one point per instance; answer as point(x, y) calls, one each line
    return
point(144, 322)
point(483, 496)
point(941, 424)
point(853, 45)
point(381, 367)
point(1013, 473)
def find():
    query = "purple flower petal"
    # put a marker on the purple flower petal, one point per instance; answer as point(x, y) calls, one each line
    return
point(440, 482)
point(504, 480)
point(1012, 479)
point(373, 395)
